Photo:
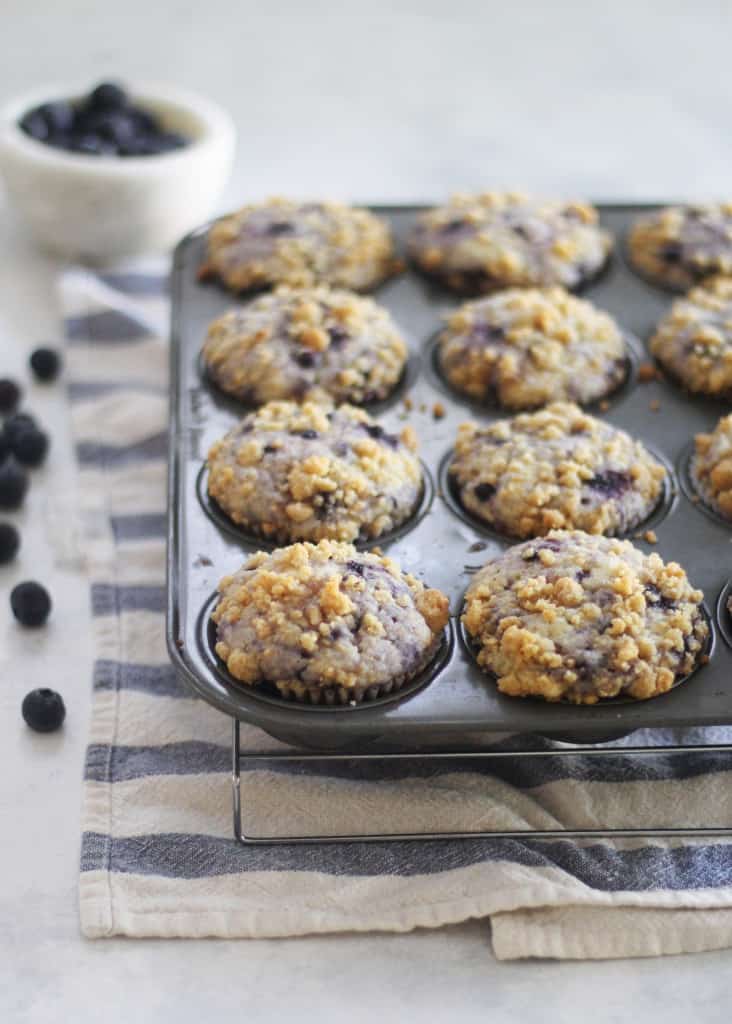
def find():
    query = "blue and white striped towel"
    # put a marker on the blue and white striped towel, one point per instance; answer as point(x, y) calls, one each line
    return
point(158, 857)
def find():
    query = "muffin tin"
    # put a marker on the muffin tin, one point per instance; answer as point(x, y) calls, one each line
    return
point(453, 702)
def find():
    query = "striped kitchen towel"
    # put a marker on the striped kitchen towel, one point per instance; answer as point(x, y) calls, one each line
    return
point(158, 857)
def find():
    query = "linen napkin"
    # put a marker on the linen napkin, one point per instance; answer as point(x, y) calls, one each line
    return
point(158, 855)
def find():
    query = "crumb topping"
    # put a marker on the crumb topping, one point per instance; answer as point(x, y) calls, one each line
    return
point(694, 340)
point(477, 243)
point(526, 347)
point(711, 466)
point(322, 617)
point(281, 241)
point(292, 343)
point(679, 245)
point(581, 618)
point(306, 472)
point(557, 468)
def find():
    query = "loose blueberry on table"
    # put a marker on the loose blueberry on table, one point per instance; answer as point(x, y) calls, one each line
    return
point(104, 123)
point(13, 483)
point(30, 603)
point(9, 542)
point(44, 710)
point(10, 395)
point(45, 364)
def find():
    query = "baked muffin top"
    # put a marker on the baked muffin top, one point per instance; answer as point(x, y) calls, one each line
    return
point(478, 243)
point(283, 241)
point(304, 472)
point(583, 618)
point(296, 343)
point(309, 617)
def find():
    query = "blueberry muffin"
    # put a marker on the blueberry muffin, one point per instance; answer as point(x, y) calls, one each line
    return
point(679, 245)
point(554, 469)
point(479, 243)
point(693, 342)
point(522, 348)
point(289, 472)
point(711, 467)
point(294, 343)
point(326, 624)
point(282, 241)
point(580, 618)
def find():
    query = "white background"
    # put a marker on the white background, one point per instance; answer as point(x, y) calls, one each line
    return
point(369, 101)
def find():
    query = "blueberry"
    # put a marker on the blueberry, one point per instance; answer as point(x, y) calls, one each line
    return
point(305, 359)
point(611, 483)
point(116, 128)
point(44, 710)
point(9, 542)
point(379, 434)
point(16, 425)
point(452, 227)
point(656, 599)
point(34, 124)
point(13, 484)
point(672, 252)
point(145, 123)
point(308, 435)
point(59, 116)
point(29, 446)
point(45, 363)
point(107, 96)
point(484, 491)
point(338, 335)
point(92, 145)
point(279, 227)
point(30, 603)
point(9, 396)
point(166, 142)
point(357, 568)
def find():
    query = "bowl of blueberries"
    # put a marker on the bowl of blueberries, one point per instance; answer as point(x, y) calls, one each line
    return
point(108, 174)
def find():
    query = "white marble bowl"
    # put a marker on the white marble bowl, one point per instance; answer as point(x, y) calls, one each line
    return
point(98, 209)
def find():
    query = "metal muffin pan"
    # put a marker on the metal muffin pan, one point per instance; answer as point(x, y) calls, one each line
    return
point(454, 703)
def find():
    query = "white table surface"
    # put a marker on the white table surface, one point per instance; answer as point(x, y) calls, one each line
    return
point(380, 101)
